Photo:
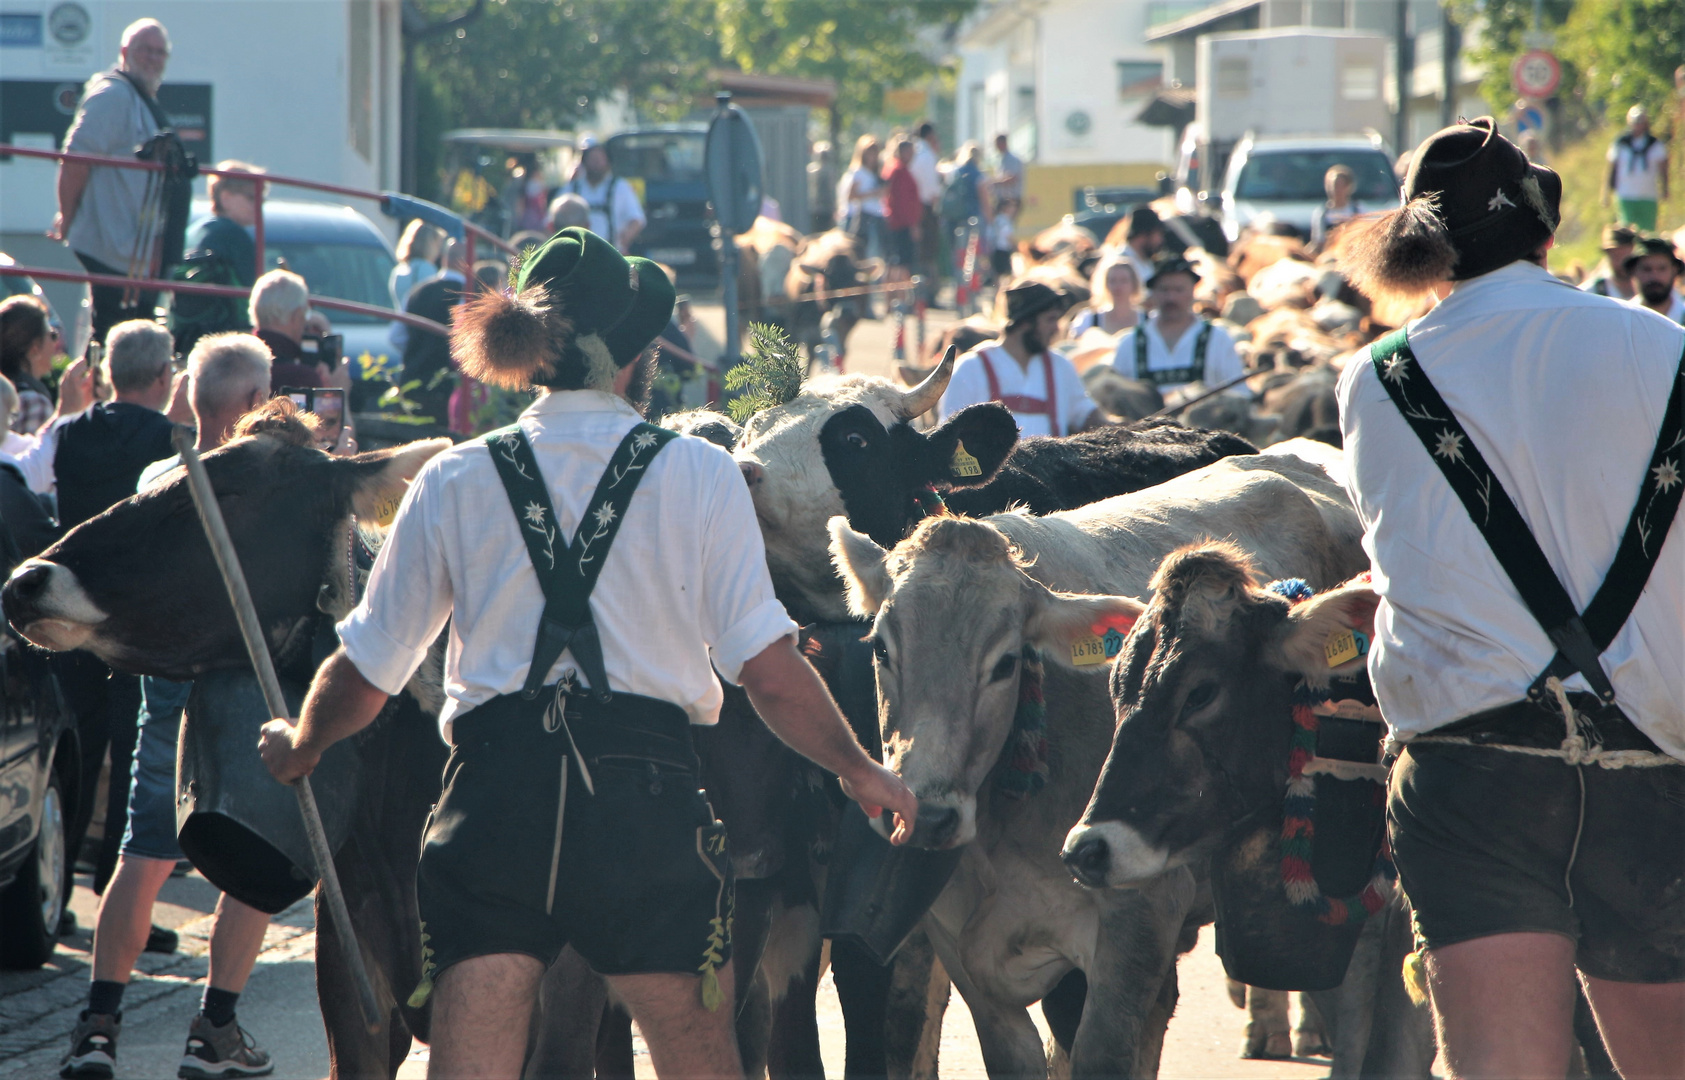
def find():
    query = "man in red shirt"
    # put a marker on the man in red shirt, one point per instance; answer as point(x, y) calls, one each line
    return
point(904, 211)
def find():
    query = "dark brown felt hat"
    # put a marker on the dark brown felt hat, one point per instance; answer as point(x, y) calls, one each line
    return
point(1496, 205)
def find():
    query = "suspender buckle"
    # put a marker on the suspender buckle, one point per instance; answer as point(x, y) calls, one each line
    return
point(1573, 640)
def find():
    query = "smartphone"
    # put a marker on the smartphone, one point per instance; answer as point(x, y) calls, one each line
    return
point(327, 349)
point(327, 404)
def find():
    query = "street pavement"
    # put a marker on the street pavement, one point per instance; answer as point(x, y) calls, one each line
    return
point(38, 1009)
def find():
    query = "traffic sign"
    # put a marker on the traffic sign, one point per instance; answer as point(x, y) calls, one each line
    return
point(733, 158)
point(1536, 74)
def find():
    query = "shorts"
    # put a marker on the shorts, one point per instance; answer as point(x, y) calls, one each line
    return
point(1485, 843)
point(151, 830)
point(635, 877)
point(1639, 213)
point(902, 251)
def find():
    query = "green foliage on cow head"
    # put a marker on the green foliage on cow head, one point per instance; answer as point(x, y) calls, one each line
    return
point(769, 375)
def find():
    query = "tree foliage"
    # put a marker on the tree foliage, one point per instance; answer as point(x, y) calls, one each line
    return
point(1502, 24)
point(1626, 52)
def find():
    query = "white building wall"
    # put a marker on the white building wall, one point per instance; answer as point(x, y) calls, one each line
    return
point(1085, 115)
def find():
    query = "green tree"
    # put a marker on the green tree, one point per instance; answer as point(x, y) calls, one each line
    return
point(1502, 23)
point(1626, 52)
point(864, 46)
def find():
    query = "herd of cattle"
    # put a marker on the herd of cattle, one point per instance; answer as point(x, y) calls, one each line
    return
point(926, 623)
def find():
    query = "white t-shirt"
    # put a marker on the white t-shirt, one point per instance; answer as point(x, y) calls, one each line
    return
point(925, 173)
point(871, 199)
point(1020, 386)
point(1675, 306)
point(1563, 392)
point(626, 206)
point(685, 582)
point(1637, 167)
point(1222, 361)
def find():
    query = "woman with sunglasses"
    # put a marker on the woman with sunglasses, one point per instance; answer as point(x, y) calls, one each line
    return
point(28, 344)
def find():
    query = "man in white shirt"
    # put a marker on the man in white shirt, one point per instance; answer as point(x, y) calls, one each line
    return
point(1143, 240)
point(616, 213)
point(1610, 277)
point(1637, 172)
point(1173, 348)
point(1654, 268)
point(1494, 449)
point(572, 812)
point(1039, 384)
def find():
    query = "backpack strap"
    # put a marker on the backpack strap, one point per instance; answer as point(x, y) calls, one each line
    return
point(568, 576)
point(1170, 376)
point(1580, 638)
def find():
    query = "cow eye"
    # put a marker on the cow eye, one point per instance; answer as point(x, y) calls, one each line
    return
point(1200, 696)
point(880, 651)
point(1004, 667)
point(856, 440)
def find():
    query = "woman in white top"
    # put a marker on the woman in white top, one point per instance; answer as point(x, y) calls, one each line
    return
point(418, 260)
point(860, 208)
point(1111, 306)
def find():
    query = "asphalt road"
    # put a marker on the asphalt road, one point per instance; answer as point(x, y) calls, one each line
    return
point(38, 1009)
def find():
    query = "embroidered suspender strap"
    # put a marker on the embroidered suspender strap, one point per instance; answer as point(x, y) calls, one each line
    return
point(568, 576)
point(1193, 373)
point(1579, 638)
point(1018, 403)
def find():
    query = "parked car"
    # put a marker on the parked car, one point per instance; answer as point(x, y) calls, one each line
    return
point(666, 167)
point(1283, 177)
point(39, 767)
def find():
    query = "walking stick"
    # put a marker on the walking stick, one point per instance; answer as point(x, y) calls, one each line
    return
point(1176, 410)
point(228, 561)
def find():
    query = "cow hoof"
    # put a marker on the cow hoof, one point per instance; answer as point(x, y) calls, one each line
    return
point(1272, 1046)
point(1310, 1044)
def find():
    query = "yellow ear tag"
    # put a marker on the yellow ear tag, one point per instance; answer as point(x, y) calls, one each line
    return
point(387, 511)
point(964, 464)
point(1088, 651)
point(1344, 646)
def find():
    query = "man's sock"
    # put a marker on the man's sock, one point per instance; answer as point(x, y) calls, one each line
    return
point(106, 997)
point(218, 1005)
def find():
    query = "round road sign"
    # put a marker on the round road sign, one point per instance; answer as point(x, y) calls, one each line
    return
point(1536, 74)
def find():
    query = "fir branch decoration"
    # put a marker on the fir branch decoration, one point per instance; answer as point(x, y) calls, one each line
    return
point(769, 375)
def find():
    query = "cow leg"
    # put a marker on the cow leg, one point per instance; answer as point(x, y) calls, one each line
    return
point(1400, 1040)
point(1009, 1040)
point(863, 992)
point(353, 1053)
point(792, 1051)
point(1062, 1007)
point(614, 1044)
point(918, 998)
point(1310, 1035)
point(563, 1036)
point(1266, 1024)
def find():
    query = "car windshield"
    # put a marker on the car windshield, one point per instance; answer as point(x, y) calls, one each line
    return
point(343, 271)
point(659, 156)
point(1297, 175)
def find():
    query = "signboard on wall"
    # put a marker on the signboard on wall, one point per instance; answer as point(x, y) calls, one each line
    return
point(42, 107)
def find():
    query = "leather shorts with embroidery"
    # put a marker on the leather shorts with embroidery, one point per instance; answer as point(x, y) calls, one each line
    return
point(519, 857)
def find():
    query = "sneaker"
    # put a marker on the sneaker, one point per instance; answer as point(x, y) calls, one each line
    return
point(221, 1053)
point(160, 940)
point(93, 1048)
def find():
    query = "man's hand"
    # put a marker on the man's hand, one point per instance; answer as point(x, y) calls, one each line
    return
point(877, 790)
point(57, 229)
point(76, 387)
point(285, 761)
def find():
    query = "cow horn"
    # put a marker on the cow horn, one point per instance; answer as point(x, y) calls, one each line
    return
point(923, 397)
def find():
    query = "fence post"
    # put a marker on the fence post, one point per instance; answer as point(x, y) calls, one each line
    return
point(257, 226)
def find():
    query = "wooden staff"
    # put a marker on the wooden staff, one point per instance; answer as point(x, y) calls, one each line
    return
point(228, 561)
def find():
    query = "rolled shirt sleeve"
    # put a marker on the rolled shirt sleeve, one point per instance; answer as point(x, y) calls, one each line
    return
point(408, 599)
point(740, 614)
point(626, 205)
point(1222, 362)
point(1074, 403)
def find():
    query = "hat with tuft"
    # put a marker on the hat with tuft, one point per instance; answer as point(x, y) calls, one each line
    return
point(1495, 205)
point(1030, 299)
point(650, 313)
point(568, 293)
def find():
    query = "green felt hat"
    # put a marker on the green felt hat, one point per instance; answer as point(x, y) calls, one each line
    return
point(651, 311)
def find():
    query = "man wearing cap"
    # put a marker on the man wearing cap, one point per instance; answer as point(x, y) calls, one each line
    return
point(1143, 240)
point(1039, 384)
point(616, 213)
point(1173, 348)
point(1654, 268)
point(1515, 458)
point(595, 572)
point(1637, 172)
point(1611, 278)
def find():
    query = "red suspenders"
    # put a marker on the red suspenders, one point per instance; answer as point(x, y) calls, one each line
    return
point(1018, 403)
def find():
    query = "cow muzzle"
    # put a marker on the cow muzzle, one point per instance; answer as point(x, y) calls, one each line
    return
point(48, 606)
point(1110, 854)
point(946, 823)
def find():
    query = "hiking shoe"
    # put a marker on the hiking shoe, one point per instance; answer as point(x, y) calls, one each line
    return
point(93, 1048)
point(160, 940)
point(221, 1053)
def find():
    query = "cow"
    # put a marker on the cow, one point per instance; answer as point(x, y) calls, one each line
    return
point(846, 446)
point(961, 610)
point(1198, 769)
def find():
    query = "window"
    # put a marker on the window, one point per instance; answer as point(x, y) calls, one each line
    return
point(1139, 78)
point(1297, 175)
point(341, 271)
point(659, 156)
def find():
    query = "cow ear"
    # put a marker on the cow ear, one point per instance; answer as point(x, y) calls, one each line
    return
point(1074, 630)
point(1328, 634)
point(969, 448)
point(379, 478)
point(860, 563)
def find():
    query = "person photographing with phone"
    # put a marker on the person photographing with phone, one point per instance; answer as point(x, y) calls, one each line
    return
point(596, 573)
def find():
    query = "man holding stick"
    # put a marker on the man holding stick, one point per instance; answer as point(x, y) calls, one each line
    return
point(572, 812)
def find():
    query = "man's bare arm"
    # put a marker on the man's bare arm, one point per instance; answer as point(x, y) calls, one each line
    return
point(340, 703)
point(72, 182)
point(789, 695)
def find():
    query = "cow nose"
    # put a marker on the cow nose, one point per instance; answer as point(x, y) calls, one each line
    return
point(1089, 860)
point(28, 586)
point(936, 826)
point(753, 474)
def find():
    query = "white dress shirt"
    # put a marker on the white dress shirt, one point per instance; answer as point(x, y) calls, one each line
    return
point(925, 173)
point(1222, 361)
point(686, 577)
point(1563, 393)
point(1675, 306)
point(970, 386)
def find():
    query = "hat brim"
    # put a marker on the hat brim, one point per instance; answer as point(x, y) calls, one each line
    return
point(1167, 271)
